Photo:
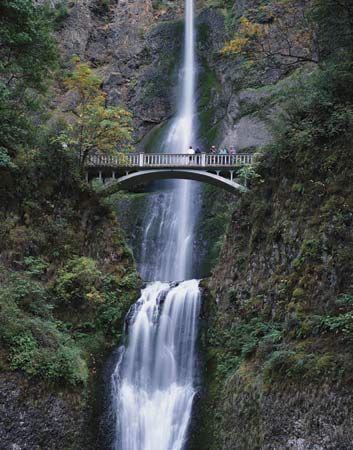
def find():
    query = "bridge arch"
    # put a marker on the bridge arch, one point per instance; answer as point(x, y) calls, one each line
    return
point(146, 176)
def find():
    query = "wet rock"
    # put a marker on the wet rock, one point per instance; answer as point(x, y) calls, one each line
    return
point(33, 417)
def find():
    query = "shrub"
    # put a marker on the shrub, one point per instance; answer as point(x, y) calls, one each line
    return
point(343, 323)
point(35, 266)
point(345, 300)
point(30, 295)
point(278, 365)
point(78, 281)
point(37, 345)
point(298, 292)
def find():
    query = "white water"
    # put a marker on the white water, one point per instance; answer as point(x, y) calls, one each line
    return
point(154, 378)
point(153, 385)
point(170, 217)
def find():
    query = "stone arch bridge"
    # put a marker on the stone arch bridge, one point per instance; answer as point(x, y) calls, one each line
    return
point(126, 171)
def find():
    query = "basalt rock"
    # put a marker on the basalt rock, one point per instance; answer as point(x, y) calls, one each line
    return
point(35, 417)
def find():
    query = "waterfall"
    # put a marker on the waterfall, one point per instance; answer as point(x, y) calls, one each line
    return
point(170, 218)
point(155, 375)
point(153, 384)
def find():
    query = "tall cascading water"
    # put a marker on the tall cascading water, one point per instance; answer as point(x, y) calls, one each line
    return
point(153, 384)
point(167, 244)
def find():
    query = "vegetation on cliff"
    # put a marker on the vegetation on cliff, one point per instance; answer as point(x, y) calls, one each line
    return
point(67, 277)
point(284, 280)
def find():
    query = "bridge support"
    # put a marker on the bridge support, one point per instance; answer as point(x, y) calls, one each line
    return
point(142, 177)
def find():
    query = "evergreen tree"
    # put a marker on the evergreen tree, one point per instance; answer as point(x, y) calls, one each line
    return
point(27, 57)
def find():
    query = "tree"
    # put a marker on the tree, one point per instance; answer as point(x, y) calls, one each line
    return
point(94, 127)
point(284, 34)
point(27, 57)
point(281, 34)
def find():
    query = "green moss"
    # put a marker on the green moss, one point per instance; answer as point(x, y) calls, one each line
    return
point(152, 142)
point(209, 86)
point(212, 225)
point(298, 293)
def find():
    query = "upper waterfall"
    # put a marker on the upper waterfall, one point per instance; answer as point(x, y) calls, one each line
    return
point(168, 241)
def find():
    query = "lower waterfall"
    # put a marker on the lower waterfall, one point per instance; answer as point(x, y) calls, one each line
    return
point(153, 383)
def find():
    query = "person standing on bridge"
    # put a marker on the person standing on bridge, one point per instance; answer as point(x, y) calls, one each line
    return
point(233, 153)
point(190, 152)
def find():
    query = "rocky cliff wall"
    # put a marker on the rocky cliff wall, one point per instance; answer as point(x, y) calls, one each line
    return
point(277, 339)
point(135, 47)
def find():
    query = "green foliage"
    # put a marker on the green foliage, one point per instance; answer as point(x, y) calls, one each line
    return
point(298, 292)
point(242, 341)
point(299, 366)
point(279, 364)
point(342, 323)
point(61, 12)
point(60, 351)
point(319, 118)
point(34, 266)
point(288, 350)
point(78, 282)
point(27, 57)
point(29, 295)
point(95, 127)
point(58, 308)
point(28, 48)
point(217, 206)
point(61, 364)
point(223, 4)
point(345, 300)
point(5, 160)
point(248, 174)
point(35, 342)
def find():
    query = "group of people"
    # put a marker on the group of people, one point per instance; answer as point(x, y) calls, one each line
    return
point(213, 150)
point(223, 151)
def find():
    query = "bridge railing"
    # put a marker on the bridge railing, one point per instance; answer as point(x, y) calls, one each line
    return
point(155, 160)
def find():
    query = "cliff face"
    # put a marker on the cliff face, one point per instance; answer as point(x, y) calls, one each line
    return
point(135, 47)
point(277, 339)
point(279, 303)
point(229, 107)
point(36, 417)
point(67, 280)
point(278, 363)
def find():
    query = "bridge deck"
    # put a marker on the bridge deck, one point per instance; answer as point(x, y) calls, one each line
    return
point(144, 161)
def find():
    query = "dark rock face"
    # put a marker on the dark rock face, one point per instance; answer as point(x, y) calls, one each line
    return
point(135, 50)
point(35, 418)
point(290, 418)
